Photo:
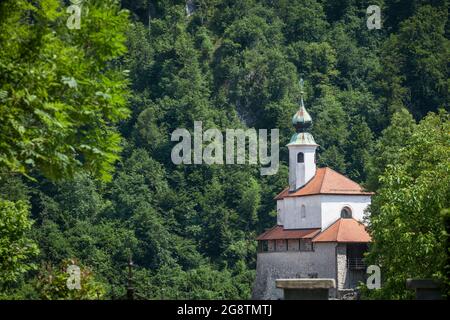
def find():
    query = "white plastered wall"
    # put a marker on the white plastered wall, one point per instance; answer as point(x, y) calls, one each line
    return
point(331, 206)
point(321, 210)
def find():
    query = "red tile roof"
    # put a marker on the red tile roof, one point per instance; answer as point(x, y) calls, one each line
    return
point(326, 181)
point(344, 230)
point(278, 233)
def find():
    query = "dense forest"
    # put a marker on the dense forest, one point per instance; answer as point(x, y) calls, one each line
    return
point(86, 117)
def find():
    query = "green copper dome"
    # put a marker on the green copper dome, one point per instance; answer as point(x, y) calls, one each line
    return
point(301, 117)
point(302, 121)
point(302, 138)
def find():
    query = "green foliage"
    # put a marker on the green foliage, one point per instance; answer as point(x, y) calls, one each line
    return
point(407, 226)
point(232, 64)
point(386, 149)
point(52, 283)
point(303, 20)
point(200, 283)
point(330, 130)
point(16, 247)
point(60, 96)
point(417, 62)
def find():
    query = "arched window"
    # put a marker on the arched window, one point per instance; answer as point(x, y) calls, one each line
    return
point(303, 211)
point(346, 213)
point(300, 157)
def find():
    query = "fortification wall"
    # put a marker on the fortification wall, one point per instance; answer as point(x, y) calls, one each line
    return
point(292, 264)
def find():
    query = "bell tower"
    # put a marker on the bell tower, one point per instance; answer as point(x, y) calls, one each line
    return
point(302, 148)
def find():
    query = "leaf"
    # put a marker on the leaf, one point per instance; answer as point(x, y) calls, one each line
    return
point(70, 81)
point(3, 95)
point(103, 95)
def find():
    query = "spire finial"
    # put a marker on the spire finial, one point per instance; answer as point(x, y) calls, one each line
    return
point(302, 92)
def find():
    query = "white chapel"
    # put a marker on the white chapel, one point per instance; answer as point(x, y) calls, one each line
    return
point(319, 231)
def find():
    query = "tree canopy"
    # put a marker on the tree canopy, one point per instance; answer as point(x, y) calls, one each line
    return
point(86, 116)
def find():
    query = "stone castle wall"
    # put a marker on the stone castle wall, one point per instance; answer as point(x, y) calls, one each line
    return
point(292, 264)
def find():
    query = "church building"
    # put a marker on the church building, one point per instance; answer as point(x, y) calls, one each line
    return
point(319, 231)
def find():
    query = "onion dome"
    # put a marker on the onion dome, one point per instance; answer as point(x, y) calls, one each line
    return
point(302, 121)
